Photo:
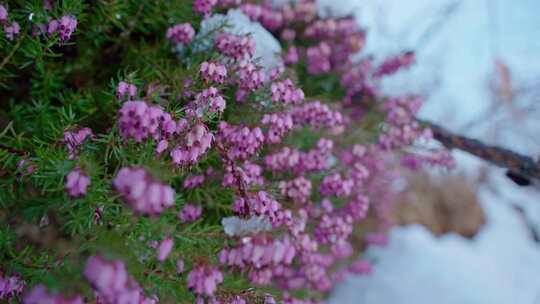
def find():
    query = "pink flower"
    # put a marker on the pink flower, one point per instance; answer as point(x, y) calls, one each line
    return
point(3, 14)
point(318, 116)
point(357, 208)
point(74, 139)
point(203, 280)
point(181, 33)
point(141, 192)
point(112, 282)
point(291, 56)
point(180, 266)
point(248, 173)
point(164, 249)
point(241, 142)
point(196, 143)
point(298, 189)
point(377, 239)
point(67, 26)
point(12, 30)
point(126, 89)
point(40, 295)
point(189, 213)
point(76, 183)
point(288, 34)
point(286, 92)
point(250, 78)
point(140, 121)
point(238, 300)
point(213, 72)
point(193, 181)
point(10, 287)
point(22, 163)
point(279, 124)
point(361, 266)
point(393, 64)
point(318, 58)
point(162, 146)
point(235, 47)
point(209, 100)
point(260, 203)
point(204, 7)
point(335, 184)
point(52, 27)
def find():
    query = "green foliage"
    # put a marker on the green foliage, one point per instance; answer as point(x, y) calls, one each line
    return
point(48, 87)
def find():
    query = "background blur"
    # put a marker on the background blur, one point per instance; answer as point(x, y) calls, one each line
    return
point(478, 66)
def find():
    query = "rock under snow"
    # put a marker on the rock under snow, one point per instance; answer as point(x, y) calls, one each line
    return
point(267, 47)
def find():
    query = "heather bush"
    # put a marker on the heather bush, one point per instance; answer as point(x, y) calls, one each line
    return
point(148, 154)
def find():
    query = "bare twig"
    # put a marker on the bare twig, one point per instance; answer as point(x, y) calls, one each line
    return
point(519, 165)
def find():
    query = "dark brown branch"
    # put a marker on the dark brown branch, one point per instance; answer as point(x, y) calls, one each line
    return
point(519, 166)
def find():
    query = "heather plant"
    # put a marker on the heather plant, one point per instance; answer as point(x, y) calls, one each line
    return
point(146, 159)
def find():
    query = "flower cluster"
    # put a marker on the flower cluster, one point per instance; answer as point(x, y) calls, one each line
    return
point(318, 58)
point(392, 65)
point(139, 120)
point(268, 17)
point(286, 92)
point(250, 78)
point(241, 141)
point(189, 213)
point(209, 100)
point(439, 158)
point(291, 56)
point(204, 7)
point(64, 27)
point(196, 143)
point(39, 295)
point(260, 203)
point(286, 159)
point(203, 280)
point(279, 124)
point(126, 89)
point(10, 287)
point(193, 181)
point(298, 189)
point(10, 29)
point(333, 228)
point(182, 33)
point(335, 184)
point(141, 192)
point(112, 282)
point(248, 173)
point(261, 256)
point(76, 183)
point(317, 115)
point(73, 140)
point(213, 72)
point(235, 47)
point(402, 129)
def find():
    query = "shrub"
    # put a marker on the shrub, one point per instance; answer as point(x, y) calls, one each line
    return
point(142, 138)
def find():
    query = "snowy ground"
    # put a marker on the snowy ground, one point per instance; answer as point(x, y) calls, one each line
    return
point(457, 43)
point(500, 265)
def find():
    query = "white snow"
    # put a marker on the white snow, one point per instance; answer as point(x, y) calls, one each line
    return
point(502, 263)
point(235, 226)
